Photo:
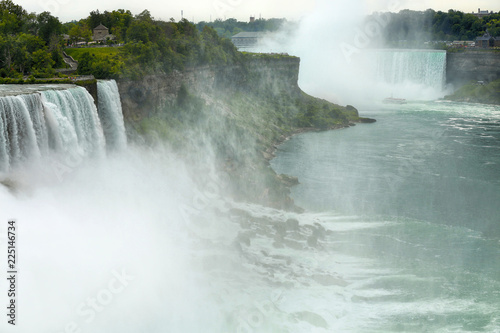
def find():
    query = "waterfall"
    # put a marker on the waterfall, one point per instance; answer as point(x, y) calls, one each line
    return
point(410, 73)
point(44, 122)
point(423, 67)
point(110, 111)
point(22, 130)
point(74, 122)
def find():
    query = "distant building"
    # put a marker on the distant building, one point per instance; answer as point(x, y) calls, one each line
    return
point(101, 33)
point(246, 39)
point(487, 41)
point(252, 19)
point(482, 13)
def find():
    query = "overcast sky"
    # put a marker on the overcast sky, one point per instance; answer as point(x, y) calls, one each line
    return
point(204, 10)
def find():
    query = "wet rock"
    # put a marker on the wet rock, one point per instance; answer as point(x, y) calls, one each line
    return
point(312, 318)
point(288, 180)
point(292, 224)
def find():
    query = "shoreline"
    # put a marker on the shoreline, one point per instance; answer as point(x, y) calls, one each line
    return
point(270, 152)
point(289, 181)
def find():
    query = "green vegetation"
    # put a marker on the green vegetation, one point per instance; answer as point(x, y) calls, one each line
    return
point(94, 51)
point(478, 93)
point(29, 43)
point(156, 47)
point(322, 114)
point(409, 26)
point(118, 22)
point(231, 26)
point(32, 44)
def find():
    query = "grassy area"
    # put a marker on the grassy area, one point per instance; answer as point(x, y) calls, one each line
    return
point(97, 51)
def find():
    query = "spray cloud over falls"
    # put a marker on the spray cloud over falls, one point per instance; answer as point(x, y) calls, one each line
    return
point(343, 60)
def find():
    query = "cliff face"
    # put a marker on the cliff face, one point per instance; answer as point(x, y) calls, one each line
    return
point(463, 67)
point(153, 93)
point(231, 115)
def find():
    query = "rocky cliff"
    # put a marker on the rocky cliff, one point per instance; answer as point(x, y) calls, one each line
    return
point(151, 94)
point(231, 116)
point(463, 67)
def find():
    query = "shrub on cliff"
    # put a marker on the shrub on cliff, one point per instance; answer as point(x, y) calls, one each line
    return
point(318, 113)
point(478, 93)
point(101, 66)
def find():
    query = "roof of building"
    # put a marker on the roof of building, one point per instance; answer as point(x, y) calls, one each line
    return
point(248, 34)
point(487, 36)
point(100, 27)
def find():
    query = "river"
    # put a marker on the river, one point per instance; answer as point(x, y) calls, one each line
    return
point(412, 202)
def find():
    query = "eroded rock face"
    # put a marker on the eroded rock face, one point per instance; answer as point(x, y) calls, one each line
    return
point(464, 67)
point(141, 98)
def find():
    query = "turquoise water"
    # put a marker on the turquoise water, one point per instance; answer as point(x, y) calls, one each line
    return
point(416, 203)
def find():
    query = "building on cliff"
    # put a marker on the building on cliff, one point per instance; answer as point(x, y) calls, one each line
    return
point(487, 41)
point(101, 33)
point(246, 39)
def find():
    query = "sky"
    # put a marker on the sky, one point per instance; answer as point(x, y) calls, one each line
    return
point(206, 10)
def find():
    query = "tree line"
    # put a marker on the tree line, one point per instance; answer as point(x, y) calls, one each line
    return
point(29, 42)
point(231, 27)
point(155, 46)
point(32, 44)
point(429, 25)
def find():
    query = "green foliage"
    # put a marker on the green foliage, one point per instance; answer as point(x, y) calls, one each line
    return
point(117, 21)
point(493, 27)
point(152, 46)
point(165, 46)
point(230, 27)
point(23, 40)
point(102, 62)
point(410, 26)
point(13, 18)
point(79, 33)
point(48, 27)
point(478, 93)
point(319, 113)
point(100, 65)
point(98, 51)
point(42, 64)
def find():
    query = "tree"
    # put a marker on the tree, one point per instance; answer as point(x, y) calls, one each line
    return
point(80, 32)
point(42, 64)
point(48, 26)
point(12, 17)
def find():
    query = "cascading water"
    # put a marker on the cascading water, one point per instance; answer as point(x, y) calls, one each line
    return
point(110, 111)
point(410, 74)
point(64, 122)
point(425, 67)
point(21, 136)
